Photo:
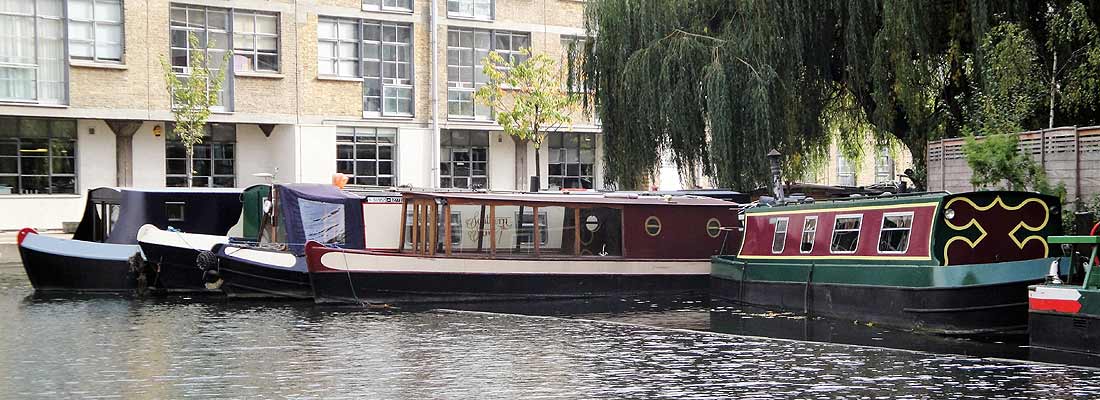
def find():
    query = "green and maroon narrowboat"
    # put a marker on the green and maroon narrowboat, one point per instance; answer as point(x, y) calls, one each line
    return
point(937, 262)
point(1066, 317)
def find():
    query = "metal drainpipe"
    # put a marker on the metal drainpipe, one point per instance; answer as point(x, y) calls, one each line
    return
point(432, 21)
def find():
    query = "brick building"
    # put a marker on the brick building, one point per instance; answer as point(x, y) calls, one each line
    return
point(313, 88)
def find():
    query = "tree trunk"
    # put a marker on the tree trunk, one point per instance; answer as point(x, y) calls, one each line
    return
point(190, 165)
point(538, 166)
point(1053, 89)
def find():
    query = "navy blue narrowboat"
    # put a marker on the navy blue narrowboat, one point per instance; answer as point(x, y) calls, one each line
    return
point(103, 255)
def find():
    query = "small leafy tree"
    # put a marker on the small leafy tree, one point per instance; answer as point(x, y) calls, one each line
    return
point(529, 98)
point(193, 96)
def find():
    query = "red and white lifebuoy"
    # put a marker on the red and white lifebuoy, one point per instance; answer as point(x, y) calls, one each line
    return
point(23, 235)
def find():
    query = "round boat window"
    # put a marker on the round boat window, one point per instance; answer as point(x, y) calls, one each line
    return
point(592, 223)
point(652, 226)
point(714, 227)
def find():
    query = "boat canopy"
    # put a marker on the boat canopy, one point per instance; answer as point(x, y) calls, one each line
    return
point(322, 213)
point(114, 215)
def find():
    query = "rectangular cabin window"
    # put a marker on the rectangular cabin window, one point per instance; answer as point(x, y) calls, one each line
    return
point(456, 228)
point(174, 211)
point(780, 238)
point(809, 233)
point(846, 233)
point(894, 237)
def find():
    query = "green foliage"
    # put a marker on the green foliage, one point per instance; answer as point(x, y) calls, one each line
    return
point(529, 98)
point(717, 83)
point(1010, 93)
point(192, 96)
point(996, 162)
point(1073, 36)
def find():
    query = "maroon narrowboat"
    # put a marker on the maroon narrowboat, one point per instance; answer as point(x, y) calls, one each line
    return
point(487, 246)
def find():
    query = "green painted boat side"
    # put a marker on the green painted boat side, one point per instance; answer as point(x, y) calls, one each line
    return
point(866, 273)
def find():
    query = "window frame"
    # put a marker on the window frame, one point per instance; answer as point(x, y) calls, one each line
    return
point(384, 82)
point(448, 150)
point(94, 22)
point(39, 60)
point(527, 229)
point(255, 35)
point(50, 139)
point(562, 151)
point(355, 160)
point(813, 234)
point(470, 87)
point(775, 234)
point(382, 7)
point(226, 103)
point(842, 175)
point(858, 230)
point(209, 140)
point(882, 229)
point(884, 166)
point(337, 57)
point(473, 14)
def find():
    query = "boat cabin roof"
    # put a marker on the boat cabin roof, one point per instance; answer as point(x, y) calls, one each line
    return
point(620, 199)
point(862, 201)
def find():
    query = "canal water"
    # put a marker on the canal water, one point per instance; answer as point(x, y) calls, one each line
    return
point(114, 347)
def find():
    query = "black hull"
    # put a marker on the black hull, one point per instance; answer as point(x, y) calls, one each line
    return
point(979, 309)
point(243, 279)
point(1078, 333)
point(177, 271)
point(50, 272)
point(411, 288)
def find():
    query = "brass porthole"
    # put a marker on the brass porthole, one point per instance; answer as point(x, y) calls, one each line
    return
point(652, 226)
point(714, 227)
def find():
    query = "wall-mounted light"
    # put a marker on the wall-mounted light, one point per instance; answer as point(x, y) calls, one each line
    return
point(91, 130)
point(157, 131)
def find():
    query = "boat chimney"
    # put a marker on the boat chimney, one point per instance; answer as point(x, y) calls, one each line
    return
point(1052, 275)
point(777, 178)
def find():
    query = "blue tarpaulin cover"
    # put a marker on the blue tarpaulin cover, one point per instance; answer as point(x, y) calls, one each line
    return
point(322, 213)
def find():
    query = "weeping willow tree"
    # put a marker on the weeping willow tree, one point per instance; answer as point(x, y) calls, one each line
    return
point(717, 83)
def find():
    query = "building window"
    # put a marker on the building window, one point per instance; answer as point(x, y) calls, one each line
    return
point(845, 171)
point(382, 58)
point(464, 159)
point(779, 239)
point(884, 167)
point(338, 47)
point(809, 233)
point(572, 160)
point(366, 155)
point(894, 236)
point(255, 41)
point(33, 62)
point(387, 69)
point(846, 233)
point(95, 30)
point(211, 26)
point(465, 50)
point(37, 156)
point(480, 9)
point(213, 163)
point(525, 232)
point(388, 5)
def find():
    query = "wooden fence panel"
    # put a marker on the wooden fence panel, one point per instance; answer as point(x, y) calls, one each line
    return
point(1070, 156)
